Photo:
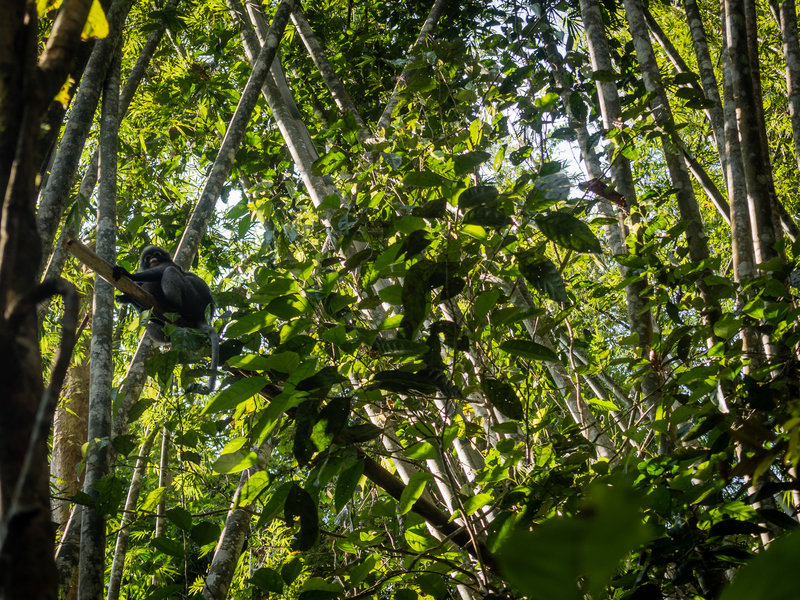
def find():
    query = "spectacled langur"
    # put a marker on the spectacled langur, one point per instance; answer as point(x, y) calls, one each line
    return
point(176, 291)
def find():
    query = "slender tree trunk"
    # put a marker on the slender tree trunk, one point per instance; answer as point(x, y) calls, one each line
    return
point(687, 203)
point(128, 515)
point(639, 316)
point(59, 256)
point(59, 184)
point(332, 81)
point(751, 29)
point(164, 480)
point(91, 575)
point(69, 435)
point(204, 209)
point(428, 26)
point(232, 538)
point(279, 99)
point(791, 54)
point(708, 79)
point(753, 159)
point(742, 252)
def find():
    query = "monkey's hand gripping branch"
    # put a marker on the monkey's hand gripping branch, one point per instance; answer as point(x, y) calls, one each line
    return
point(111, 273)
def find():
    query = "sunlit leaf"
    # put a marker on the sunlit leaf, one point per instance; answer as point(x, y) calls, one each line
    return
point(413, 490)
point(96, 25)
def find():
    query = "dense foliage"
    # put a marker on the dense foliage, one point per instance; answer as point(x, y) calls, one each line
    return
point(462, 356)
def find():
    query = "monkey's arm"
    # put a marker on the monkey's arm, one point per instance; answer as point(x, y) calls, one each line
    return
point(130, 290)
point(148, 275)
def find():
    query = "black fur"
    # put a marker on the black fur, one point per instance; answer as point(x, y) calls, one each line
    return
point(176, 291)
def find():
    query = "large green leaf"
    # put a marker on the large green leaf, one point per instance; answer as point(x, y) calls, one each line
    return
point(543, 275)
point(568, 232)
point(300, 504)
point(502, 396)
point(479, 195)
point(486, 216)
point(403, 382)
point(346, 484)
point(423, 179)
point(413, 490)
point(566, 558)
point(238, 392)
point(770, 575)
point(528, 349)
point(469, 160)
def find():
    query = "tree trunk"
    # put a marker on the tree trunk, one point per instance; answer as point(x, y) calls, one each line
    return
point(639, 316)
point(69, 435)
point(91, 575)
point(26, 407)
point(128, 516)
point(59, 184)
point(791, 54)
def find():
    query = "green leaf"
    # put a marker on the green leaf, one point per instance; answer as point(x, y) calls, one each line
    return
point(771, 574)
point(167, 591)
point(347, 483)
point(548, 562)
point(410, 224)
point(181, 517)
point(289, 306)
point(415, 294)
point(249, 362)
point(331, 420)
point(421, 451)
point(502, 396)
point(322, 379)
point(469, 160)
point(238, 392)
point(413, 490)
point(403, 382)
point(300, 504)
point(405, 594)
point(528, 349)
point(555, 186)
point(400, 347)
point(423, 179)
point(205, 532)
point(167, 546)
point(727, 327)
point(329, 163)
point(543, 276)
point(486, 216)
point(283, 362)
point(568, 232)
point(291, 570)
point(359, 572)
point(257, 483)
point(152, 500)
point(267, 580)
point(476, 502)
point(735, 527)
point(435, 209)
point(479, 195)
point(235, 462)
point(274, 505)
point(484, 303)
point(392, 294)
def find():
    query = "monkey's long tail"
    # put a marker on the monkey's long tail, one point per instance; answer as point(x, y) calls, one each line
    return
point(214, 337)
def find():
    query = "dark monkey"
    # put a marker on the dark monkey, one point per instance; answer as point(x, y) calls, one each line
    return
point(176, 291)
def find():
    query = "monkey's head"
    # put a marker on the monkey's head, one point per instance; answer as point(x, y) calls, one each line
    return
point(152, 256)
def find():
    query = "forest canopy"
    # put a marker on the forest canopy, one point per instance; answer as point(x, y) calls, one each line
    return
point(506, 296)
